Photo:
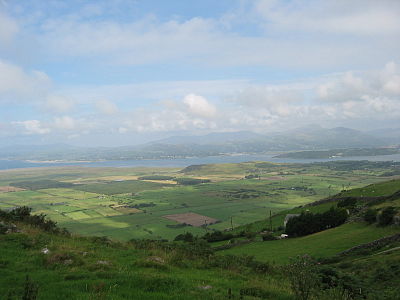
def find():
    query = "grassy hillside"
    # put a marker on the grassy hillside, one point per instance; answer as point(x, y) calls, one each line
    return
point(321, 245)
point(328, 242)
point(373, 190)
point(90, 268)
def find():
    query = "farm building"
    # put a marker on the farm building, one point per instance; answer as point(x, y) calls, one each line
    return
point(288, 217)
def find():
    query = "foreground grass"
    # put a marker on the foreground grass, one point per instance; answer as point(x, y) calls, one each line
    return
point(86, 268)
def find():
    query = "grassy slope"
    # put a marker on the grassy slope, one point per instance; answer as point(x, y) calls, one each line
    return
point(377, 269)
point(325, 243)
point(321, 244)
point(127, 274)
point(381, 189)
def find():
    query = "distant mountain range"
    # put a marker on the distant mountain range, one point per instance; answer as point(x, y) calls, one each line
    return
point(212, 138)
point(305, 138)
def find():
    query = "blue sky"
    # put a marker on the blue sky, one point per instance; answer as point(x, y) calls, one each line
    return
point(121, 72)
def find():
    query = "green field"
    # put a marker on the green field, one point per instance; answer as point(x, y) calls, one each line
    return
point(85, 200)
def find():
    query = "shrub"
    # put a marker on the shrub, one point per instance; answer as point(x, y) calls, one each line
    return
point(370, 216)
point(348, 202)
point(191, 181)
point(386, 217)
point(217, 236)
point(156, 177)
point(186, 237)
point(30, 289)
point(23, 214)
point(20, 213)
point(303, 276)
point(3, 228)
point(336, 293)
point(251, 176)
point(268, 237)
point(255, 292)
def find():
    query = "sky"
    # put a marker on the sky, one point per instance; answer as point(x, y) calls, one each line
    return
point(116, 72)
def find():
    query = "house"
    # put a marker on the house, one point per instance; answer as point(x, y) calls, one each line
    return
point(288, 217)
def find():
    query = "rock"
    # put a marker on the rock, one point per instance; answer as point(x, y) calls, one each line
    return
point(45, 250)
point(205, 287)
point(156, 259)
point(103, 262)
point(68, 262)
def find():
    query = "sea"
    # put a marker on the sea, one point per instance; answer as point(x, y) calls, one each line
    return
point(184, 162)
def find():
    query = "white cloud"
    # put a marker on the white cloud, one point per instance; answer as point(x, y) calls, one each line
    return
point(64, 123)
point(8, 29)
point(358, 17)
point(213, 42)
point(199, 106)
point(106, 107)
point(58, 104)
point(392, 86)
point(351, 97)
point(33, 127)
point(344, 87)
point(15, 83)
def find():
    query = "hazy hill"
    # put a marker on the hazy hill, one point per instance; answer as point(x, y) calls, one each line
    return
point(212, 138)
point(391, 135)
point(305, 138)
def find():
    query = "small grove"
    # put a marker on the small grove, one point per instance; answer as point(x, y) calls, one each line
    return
point(308, 223)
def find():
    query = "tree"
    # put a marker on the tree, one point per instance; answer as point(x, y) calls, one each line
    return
point(386, 217)
point(308, 222)
point(370, 216)
point(186, 237)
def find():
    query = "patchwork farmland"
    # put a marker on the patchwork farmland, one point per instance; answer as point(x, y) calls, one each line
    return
point(127, 203)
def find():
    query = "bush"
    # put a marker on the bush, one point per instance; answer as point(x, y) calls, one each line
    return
point(3, 228)
point(186, 237)
point(156, 177)
point(20, 213)
point(386, 217)
point(23, 214)
point(30, 289)
point(217, 236)
point(268, 237)
point(348, 202)
point(302, 274)
point(251, 176)
point(256, 292)
point(336, 293)
point(370, 216)
point(191, 181)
